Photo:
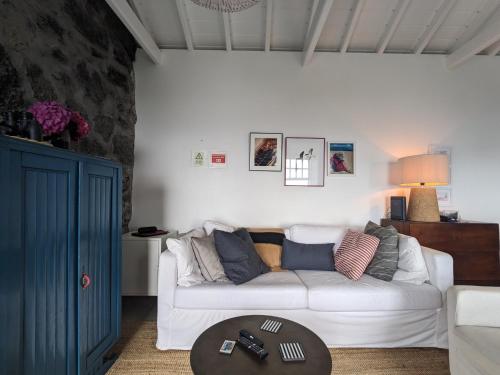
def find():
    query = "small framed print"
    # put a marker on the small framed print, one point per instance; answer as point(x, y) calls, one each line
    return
point(443, 196)
point(198, 158)
point(341, 158)
point(304, 161)
point(265, 152)
point(217, 159)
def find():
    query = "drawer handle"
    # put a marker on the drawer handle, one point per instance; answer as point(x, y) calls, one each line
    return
point(85, 281)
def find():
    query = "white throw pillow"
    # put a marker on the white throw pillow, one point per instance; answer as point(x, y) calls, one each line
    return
point(316, 234)
point(210, 225)
point(411, 264)
point(188, 270)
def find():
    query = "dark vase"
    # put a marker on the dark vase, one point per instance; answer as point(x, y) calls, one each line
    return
point(61, 140)
point(29, 127)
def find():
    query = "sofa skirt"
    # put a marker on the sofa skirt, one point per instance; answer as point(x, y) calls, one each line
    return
point(179, 328)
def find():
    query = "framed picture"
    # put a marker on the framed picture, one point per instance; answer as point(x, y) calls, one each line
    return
point(341, 158)
point(217, 159)
point(443, 196)
point(198, 158)
point(304, 161)
point(265, 152)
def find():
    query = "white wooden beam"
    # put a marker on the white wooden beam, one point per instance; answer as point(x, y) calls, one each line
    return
point(479, 20)
point(352, 25)
point(435, 24)
point(181, 9)
point(486, 37)
point(269, 25)
point(317, 25)
point(493, 49)
point(227, 30)
point(314, 8)
point(125, 13)
point(391, 28)
point(136, 10)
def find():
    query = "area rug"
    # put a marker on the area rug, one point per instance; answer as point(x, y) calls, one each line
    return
point(139, 356)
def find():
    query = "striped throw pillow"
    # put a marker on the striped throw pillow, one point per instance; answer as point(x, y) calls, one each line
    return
point(355, 254)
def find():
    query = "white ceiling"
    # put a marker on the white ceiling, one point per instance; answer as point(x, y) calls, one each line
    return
point(459, 29)
point(290, 20)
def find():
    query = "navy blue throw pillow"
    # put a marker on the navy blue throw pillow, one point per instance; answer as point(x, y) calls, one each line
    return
point(300, 256)
point(238, 256)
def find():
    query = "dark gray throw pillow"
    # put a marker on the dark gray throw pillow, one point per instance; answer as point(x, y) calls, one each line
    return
point(385, 262)
point(300, 256)
point(238, 256)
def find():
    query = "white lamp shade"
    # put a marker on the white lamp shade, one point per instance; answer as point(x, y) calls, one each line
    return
point(425, 170)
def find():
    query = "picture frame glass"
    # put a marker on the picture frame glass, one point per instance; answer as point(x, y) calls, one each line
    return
point(341, 158)
point(304, 161)
point(266, 152)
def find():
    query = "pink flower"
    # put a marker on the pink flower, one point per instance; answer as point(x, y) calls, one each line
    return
point(52, 116)
point(82, 127)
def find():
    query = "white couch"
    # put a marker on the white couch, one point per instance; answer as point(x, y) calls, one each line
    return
point(344, 313)
point(474, 330)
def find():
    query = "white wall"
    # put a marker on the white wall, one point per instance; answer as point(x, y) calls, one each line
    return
point(391, 106)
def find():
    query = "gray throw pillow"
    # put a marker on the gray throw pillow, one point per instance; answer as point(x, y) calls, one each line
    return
point(238, 256)
point(385, 262)
point(207, 257)
point(300, 256)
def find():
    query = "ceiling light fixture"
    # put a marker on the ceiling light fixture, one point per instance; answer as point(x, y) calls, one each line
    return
point(226, 6)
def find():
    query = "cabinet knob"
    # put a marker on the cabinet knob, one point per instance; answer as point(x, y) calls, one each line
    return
point(85, 281)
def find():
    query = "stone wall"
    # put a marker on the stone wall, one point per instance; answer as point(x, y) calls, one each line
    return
point(78, 53)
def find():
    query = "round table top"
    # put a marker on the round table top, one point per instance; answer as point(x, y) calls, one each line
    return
point(206, 359)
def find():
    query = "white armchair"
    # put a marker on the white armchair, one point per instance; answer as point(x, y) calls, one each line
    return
point(474, 330)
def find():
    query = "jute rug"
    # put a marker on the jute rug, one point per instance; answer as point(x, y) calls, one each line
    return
point(140, 357)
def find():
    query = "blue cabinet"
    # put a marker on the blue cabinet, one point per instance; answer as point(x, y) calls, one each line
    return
point(60, 228)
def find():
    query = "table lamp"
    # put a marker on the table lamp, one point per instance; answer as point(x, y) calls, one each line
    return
point(422, 173)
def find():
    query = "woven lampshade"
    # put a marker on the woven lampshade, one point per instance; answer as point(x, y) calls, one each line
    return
point(424, 170)
point(226, 6)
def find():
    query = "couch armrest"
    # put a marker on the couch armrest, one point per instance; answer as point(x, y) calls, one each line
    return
point(440, 267)
point(475, 305)
point(167, 279)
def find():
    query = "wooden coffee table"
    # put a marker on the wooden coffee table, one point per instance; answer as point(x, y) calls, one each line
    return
point(206, 359)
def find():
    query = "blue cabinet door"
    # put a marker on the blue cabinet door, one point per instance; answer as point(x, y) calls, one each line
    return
point(99, 261)
point(37, 265)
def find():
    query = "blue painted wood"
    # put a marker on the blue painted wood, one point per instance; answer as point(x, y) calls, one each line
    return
point(60, 215)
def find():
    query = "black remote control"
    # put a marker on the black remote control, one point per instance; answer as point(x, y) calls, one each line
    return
point(253, 348)
point(251, 337)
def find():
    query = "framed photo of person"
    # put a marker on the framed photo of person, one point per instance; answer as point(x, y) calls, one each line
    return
point(341, 159)
point(304, 161)
point(266, 152)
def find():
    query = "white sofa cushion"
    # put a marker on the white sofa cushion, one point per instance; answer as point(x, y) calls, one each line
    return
point(272, 290)
point(411, 263)
point(188, 270)
point(315, 234)
point(209, 226)
point(332, 291)
point(479, 346)
point(478, 306)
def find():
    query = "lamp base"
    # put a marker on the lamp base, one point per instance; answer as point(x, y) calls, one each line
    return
point(423, 205)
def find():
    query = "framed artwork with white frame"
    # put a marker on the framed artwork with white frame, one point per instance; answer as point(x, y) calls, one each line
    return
point(304, 161)
point(341, 158)
point(443, 196)
point(265, 152)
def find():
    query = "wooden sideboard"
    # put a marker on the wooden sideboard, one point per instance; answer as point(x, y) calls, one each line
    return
point(474, 247)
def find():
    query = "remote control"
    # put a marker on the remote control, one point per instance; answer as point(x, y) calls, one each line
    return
point(251, 347)
point(251, 337)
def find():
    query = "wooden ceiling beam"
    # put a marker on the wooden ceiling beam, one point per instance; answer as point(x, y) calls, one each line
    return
point(486, 37)
point(188, 36)
point(134, 25)
point(353, 22)
point(393, 24)
point(436, 22)
point(227, 30)
point(314, 34)
point(493, 49)
point(269, 25)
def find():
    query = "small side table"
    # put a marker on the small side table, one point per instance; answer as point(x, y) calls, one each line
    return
point(140, 261)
